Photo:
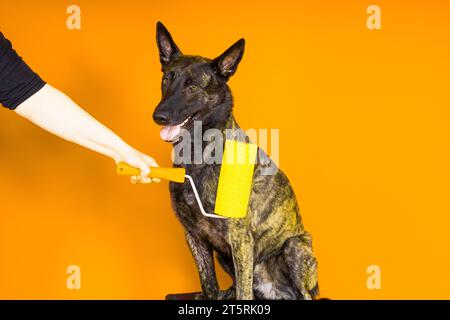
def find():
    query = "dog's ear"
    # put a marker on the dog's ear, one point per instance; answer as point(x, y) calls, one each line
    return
point(226, 64)
point(168, 50)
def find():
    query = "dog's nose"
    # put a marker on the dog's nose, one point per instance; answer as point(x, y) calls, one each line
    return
point(161, 118)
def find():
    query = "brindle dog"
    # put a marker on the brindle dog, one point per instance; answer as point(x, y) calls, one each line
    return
point(268, 254)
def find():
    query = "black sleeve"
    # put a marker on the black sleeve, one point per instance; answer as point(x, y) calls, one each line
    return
point(17, 81)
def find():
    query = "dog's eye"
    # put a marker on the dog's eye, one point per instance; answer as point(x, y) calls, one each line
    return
point(193, 86)
point(165, 81)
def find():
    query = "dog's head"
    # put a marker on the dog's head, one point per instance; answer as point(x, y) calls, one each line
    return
point(193, 87)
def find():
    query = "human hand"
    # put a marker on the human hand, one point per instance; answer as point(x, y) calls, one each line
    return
point(139, 160)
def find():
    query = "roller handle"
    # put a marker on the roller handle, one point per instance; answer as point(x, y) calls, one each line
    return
point(170, 174)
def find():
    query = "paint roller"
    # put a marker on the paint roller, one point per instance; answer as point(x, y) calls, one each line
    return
point(235, 179)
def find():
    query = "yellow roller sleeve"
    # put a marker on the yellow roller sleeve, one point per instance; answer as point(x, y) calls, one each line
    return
point(235, 180)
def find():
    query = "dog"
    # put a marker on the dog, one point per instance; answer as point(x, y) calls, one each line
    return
point(268, 254)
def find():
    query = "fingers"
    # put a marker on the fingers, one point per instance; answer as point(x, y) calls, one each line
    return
point(145, 169)
point(150, 161)
point(140, 180)
point(139, 160)
point(143, 180)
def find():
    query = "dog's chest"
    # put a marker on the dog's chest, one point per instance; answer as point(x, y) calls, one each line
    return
point(213, 230)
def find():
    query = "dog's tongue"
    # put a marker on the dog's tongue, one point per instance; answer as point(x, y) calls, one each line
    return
point(168, 133)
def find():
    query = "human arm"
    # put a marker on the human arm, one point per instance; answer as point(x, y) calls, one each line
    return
point(55, 112)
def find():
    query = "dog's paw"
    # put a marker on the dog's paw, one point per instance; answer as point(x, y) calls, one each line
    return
point(229, 294)
point(199, 296)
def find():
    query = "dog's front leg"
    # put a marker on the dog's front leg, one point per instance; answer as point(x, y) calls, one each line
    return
point(204, 260)
point(241, 242)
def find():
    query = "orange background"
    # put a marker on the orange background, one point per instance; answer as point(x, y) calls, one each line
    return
point(364, 129)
